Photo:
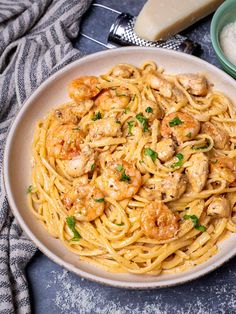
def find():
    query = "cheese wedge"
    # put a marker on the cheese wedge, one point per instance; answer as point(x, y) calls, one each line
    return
point(160, 19)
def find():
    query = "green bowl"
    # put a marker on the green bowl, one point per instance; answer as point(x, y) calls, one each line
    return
point(225, 14)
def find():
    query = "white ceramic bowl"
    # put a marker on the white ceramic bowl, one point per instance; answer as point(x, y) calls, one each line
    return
point(17, 157)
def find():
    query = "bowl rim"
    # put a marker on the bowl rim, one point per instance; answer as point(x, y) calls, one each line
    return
point(215, 35)
point(188, 276)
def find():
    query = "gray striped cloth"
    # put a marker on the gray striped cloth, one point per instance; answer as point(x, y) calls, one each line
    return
point(35, 42)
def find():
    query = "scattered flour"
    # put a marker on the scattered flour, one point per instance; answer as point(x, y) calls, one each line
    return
point(74, 295)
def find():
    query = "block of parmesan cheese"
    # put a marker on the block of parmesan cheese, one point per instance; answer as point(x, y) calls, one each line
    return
point(160, 19)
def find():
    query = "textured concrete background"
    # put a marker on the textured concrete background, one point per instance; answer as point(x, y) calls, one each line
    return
point(54, 290)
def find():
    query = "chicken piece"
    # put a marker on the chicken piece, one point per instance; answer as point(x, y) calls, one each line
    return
point(197, 172)
point(158, 83)
point(219, 136)
point(165, 149)
point(122, 71)
point(73, 112)
point(182, 126)
point(225, 167)
point(151, 110)
point(219, 207)
point(82, 163)
point(104, 127)
point(195, 84)
point(167, 189)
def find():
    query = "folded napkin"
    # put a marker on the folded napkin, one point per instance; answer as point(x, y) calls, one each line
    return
point(35, 42)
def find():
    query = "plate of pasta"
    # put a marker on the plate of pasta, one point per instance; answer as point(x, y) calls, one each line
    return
point(121, 167)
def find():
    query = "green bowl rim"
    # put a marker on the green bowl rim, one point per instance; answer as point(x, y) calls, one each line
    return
point(215, 36)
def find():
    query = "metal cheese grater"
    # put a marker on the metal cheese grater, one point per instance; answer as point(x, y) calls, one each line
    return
point(122, 33)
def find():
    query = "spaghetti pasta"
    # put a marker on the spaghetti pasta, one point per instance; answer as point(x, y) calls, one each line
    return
point(137, 173)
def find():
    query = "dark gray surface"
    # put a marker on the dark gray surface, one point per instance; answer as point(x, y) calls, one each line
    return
point(54, 290)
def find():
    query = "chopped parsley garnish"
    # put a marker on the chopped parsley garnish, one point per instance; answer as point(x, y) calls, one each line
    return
point(130, 125)
point(93, 167)
point(175, 121)
point(99, 200)
point(149, 110)
point(29, 189)
point(151, 153)
point(127, 110)
point(141, 161)
point(202, 147)
point(143, 121)
point(178, 163)
point(119, 168)
point(70, 220)
point(118, 122)
point(189, 134)
point(97, 116)
point(76, 129)
point(125, 177)
point(214, 161)
point(133, 97)
point(121, 224)
point(195, 222)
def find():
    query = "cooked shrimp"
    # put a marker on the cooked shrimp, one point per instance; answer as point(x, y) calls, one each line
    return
point(122, 71)
point(151, 110)
point(104, 127)
point(165, 149)
point(181, 126)
point(158, 221)
point(166, 189)
point(73, 112)
point(195, 84)
point(85, 202)
point(84, 87)
point(158, 83)
point(225, 167)
point(113, 99)
point(219, 136)
point(63, 141)
point(219, 207)
point(82, 163)
point(197, 171)
point(120, 180)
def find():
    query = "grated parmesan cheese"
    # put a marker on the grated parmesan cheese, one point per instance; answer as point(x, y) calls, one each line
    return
point(228, 42)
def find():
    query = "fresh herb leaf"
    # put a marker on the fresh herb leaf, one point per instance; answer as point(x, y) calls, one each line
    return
point(189, 134)
point(133, 97)
point(151, 153)
point(195, 222)
point(130, 125)
point(97, 116)
point(127, 110)
point(118, 122)
point(214, 161)
point(93, 167)
point(202, 147)
point(121, 224)
point(149, 110)
point(119, 168)
point(29, 189)
point(76, 129)
point(70, 220)
point(175, 121)
point(100, 200)
point(178, 163)
point(143, 121)
point(200, 228)
point(141, 161)
point(125, 177)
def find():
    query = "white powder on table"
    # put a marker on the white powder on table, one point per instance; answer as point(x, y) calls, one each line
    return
point(228, 42)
